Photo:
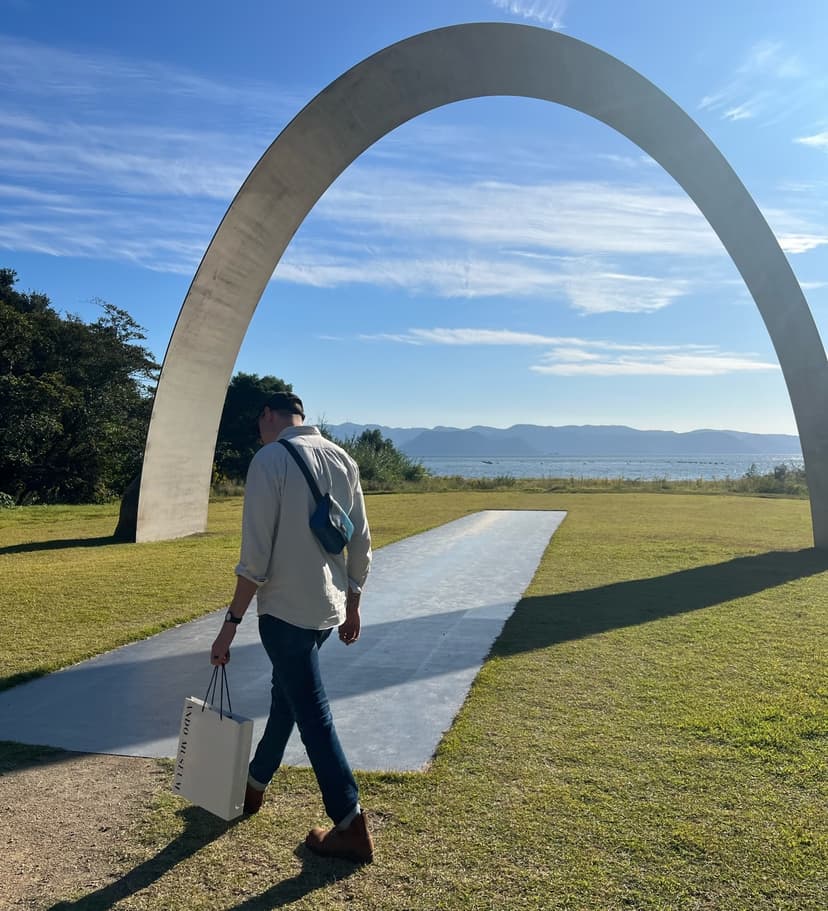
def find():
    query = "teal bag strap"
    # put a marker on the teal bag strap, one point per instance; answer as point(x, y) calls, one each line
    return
point(305, 470)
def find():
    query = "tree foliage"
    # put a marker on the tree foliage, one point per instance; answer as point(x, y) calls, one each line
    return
point(75, 399)
point(381, 464)
point(238, 435)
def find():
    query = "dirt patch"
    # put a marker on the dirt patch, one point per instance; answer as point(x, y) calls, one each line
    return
point(63, 818)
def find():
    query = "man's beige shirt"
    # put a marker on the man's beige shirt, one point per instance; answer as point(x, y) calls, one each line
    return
point(298, 581)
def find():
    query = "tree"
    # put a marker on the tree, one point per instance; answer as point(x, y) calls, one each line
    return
point(75, 399)
point(380, 462)
point(238, 434)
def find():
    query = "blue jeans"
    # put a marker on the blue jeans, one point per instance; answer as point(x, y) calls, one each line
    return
point(298, 696)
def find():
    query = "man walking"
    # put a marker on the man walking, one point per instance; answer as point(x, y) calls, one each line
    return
point(302, 593)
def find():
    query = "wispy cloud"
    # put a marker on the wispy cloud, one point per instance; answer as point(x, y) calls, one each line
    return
point(92, 83)
point(565, 239)
point(771, 58)
point(157, 251)
point(80, 180)
point(601, 247)
point(142, 163)
point(585, 284)
point(802, 243)
point(571, 216)
point(795, 234)
point(817, 141)
point(608, 292)
point(592, 357)
point(509, 337)
point(90, 185)
point(768, 85)
point(13, 192)
point(745, 111)
point(713, 363)
point(547, 12)
point(627, 162)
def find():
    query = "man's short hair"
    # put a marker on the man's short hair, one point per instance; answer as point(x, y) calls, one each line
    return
point(287, 403)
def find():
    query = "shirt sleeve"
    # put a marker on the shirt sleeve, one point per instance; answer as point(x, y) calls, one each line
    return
point(359, 547)
point(260, 519)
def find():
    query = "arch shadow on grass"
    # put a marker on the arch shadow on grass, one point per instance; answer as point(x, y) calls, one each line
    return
point(545, 620)
point(538, 622)
point(60, 544)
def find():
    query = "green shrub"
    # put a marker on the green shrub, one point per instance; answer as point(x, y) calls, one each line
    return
point(785, 480)
point(381, 464)
point(225, 487)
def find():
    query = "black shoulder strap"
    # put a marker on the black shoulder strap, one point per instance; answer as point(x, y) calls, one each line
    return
point(305, 470)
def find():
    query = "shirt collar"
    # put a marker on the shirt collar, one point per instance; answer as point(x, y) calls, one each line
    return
point(301, 430)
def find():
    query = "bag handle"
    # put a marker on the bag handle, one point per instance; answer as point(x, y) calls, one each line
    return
point(225, 687)
point(305, 470)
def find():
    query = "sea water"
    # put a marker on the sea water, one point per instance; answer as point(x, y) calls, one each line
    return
point(684, 467)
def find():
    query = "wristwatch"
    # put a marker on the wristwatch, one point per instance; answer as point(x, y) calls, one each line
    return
point(229, 618)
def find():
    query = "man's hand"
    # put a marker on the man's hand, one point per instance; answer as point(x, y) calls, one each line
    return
point(220, 652)
point(349, 631)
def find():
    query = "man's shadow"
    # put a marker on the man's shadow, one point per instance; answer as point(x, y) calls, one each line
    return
point(316, 873)
point(201, 828)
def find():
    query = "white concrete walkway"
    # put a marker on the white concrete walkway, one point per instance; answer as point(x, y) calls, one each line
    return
point(432, 608)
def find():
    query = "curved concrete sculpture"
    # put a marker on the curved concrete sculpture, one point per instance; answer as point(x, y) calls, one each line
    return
point(363, 105)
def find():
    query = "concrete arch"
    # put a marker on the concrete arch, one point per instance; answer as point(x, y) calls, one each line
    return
point(382, 92)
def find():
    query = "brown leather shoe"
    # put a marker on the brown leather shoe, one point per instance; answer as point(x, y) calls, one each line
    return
point(354, 843)
point(253, 799)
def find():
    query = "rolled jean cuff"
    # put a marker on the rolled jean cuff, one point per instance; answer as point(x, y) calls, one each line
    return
point(256, 785)
point(350, 816)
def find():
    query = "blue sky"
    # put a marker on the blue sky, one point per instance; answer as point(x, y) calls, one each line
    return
point(497, 261)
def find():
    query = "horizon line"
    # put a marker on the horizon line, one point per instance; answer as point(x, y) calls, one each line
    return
point(377, 425)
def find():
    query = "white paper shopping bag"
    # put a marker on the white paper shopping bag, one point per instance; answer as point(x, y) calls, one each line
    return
point(213, 754)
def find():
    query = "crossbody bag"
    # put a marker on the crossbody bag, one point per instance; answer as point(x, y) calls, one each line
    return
point(329, 521)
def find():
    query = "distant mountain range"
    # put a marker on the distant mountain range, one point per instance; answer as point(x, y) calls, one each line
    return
point(531, 440)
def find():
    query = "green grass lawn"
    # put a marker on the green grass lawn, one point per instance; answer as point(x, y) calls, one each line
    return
point(648, 733)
